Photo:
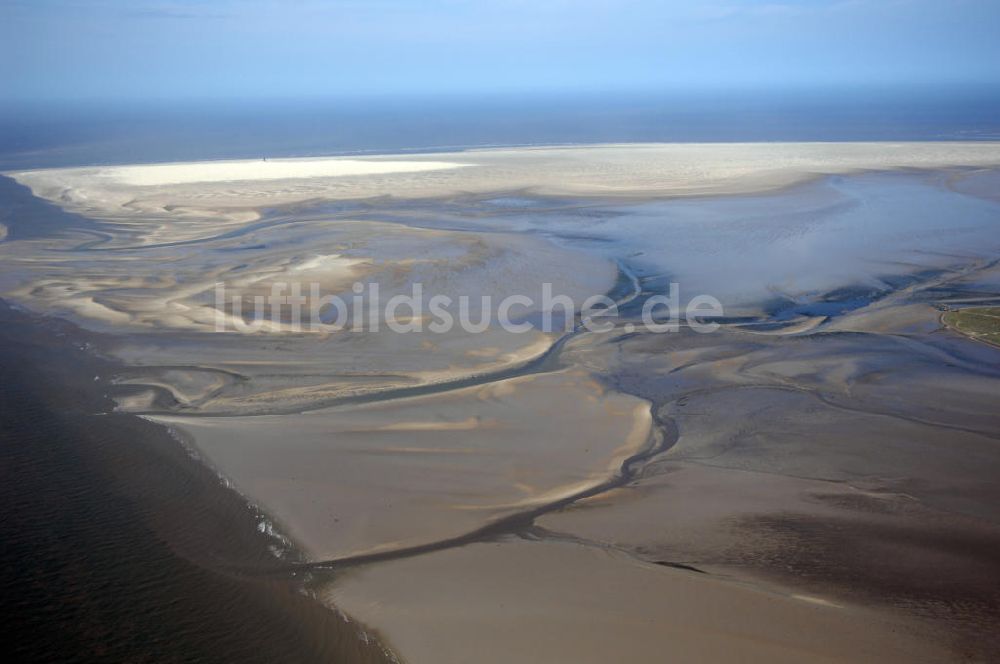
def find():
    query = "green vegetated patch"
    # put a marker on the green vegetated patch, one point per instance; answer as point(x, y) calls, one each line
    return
point(981, 323)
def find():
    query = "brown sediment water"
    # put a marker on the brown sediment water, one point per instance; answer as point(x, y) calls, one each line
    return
point(118, 546)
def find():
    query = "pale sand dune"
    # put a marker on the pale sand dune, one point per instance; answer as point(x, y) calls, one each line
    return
point(544, 602)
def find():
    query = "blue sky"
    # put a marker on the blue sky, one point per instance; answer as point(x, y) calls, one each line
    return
point(281, 48)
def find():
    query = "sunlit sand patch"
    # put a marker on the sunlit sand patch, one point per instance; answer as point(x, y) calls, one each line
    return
point(817, 600)
point(260, 169)
point(135, 402)
point(186, 386)
point(469, 424)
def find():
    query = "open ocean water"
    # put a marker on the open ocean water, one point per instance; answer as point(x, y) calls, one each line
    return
point(40, 135)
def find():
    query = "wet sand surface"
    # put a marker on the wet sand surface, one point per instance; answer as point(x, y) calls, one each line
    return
point(118, 546)
point(553, 601)
point(815, 480)
point(417, 470)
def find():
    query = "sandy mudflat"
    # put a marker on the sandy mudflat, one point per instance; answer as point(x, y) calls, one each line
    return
point(827, 459)
point(561, 602)
point(352, 480)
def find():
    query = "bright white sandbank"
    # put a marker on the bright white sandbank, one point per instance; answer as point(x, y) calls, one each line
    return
point(156, 203)
point(259, 169)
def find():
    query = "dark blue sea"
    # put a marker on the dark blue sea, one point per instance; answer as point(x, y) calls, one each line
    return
point(49, 134)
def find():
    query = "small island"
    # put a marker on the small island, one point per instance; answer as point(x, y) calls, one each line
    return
point(979, 323)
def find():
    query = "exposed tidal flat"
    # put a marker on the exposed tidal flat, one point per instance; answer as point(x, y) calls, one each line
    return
point(813, 480)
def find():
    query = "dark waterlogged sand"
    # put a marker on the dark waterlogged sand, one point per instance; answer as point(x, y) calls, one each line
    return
point(117, 545)
point(813, 482)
